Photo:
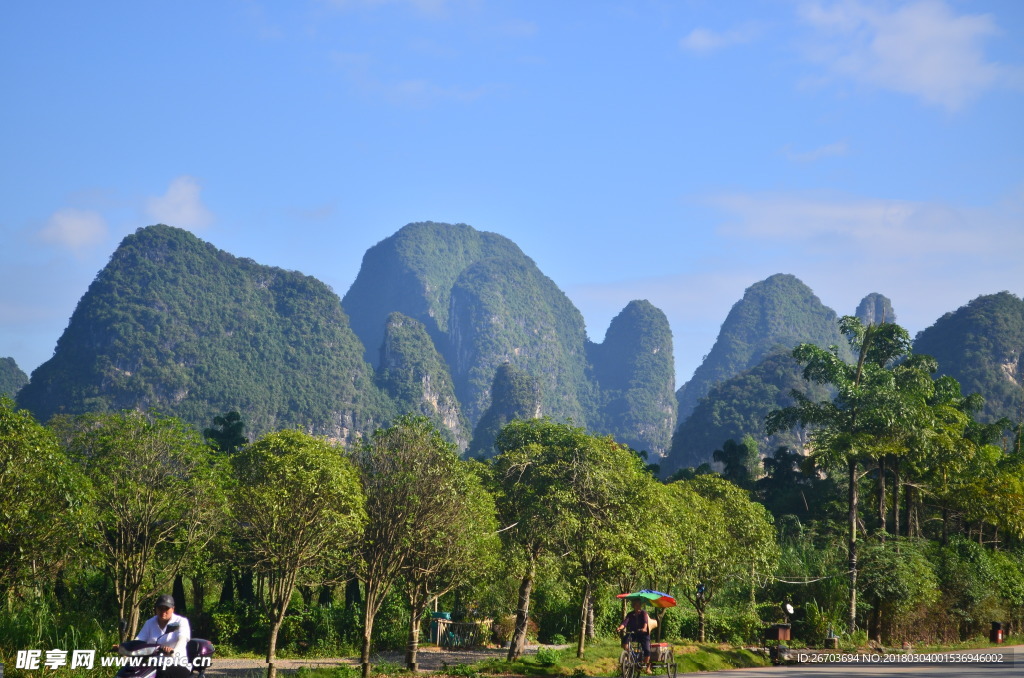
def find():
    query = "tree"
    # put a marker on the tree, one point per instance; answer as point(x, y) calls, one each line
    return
point(44, 506)
point(562, 487)
point(456, 551)
point(297, 506)
point(157, 496)
point(741, 461)
point(408, 474)
point(603, 526)
point(879, 403)
point(227, 433)
point(530, 497)
point(722, 538)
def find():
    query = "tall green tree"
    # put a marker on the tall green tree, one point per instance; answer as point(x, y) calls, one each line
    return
point(298, 506)
point(158, 495)
point(453, 552)
point(722, 538)
point(409, 474)
point(45, 504)
point(740, 461)
point(227, 433)
point(879, 402)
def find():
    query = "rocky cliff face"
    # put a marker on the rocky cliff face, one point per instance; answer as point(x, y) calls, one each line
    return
point(175, 324)
point(416, 377)
point(634, 372)
point(980, 345)
point(875, 309)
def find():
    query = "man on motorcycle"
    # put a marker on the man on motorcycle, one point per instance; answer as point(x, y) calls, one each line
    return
point(172, 641)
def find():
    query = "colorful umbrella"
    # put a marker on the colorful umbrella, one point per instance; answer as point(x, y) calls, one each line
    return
point(656, 598)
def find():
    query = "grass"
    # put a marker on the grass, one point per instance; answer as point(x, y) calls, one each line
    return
point(602, 659)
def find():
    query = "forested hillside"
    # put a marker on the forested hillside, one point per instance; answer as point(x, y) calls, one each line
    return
point(980, 344)
point(779, 311)
point(485, 304)
point(737, 407)
point(11, 377)
point(175, 324)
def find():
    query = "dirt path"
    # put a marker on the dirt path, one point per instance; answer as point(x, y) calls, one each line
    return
point(430, 659)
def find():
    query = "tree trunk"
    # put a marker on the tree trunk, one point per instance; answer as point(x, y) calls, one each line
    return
point(227, 590)
point(591, 632)
point(272, 648)
point(882, 509)
point(413, 645)
point(369, 613)
point(896, 497)
point(851, 618)
point(582, 642)
point(198, 596)
point(518, 644)
point(700, 624)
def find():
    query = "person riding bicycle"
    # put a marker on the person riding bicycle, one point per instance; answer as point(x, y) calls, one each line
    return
point(638, 623)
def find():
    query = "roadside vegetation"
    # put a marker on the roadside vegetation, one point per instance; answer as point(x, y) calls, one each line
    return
point(903, 523)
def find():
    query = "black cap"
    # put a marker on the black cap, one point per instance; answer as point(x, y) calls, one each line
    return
point(165, 601)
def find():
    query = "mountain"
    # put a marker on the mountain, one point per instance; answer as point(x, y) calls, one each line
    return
point(11, 377)
point(980, 344)
point(514, 395)
point(175, 324)
point(416, 377)
point(484, 303)
point(413, 272)
point(875, 309)
point(778, 312)
point(635, 372)
point(737, 407)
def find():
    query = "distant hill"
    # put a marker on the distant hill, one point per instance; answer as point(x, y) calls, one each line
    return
point(483, 303)
point(175, 324)
point(737, 407)
point(11, 377)
point(875, 309)
point(778, 312)
point(980, 344)
point(634, 371)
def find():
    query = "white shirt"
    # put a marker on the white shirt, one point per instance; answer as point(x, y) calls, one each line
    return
point(151, 633)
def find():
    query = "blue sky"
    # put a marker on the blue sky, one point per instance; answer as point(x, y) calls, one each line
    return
point(677, 151)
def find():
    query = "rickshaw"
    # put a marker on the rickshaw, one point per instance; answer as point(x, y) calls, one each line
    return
point(663, 660)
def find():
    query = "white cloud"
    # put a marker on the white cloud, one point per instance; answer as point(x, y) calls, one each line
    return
point(927, 257)
point(75, 229)
point(180, 206)
point(826, 151)
point(705, 40)
point(921, 48)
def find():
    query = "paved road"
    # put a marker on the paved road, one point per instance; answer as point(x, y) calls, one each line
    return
point(1012, 667)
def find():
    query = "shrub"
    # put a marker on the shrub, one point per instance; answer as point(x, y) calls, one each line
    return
point(548, 656)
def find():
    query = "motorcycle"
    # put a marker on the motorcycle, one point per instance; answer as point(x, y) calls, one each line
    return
point(195, 649)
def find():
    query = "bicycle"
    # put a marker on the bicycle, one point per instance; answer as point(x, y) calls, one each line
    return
point(631, 661)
